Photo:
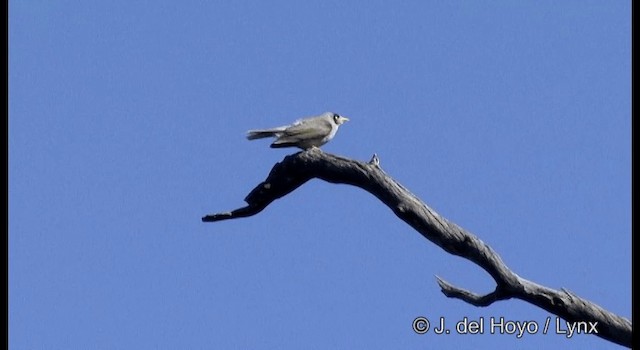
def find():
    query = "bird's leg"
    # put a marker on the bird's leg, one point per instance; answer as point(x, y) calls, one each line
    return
point(312, 148)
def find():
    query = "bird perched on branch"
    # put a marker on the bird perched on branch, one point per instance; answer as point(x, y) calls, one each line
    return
point(304, 133)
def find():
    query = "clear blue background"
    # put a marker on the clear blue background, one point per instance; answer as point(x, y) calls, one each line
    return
point(127, 122)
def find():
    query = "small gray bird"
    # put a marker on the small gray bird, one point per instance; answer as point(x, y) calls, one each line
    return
point(304, 133)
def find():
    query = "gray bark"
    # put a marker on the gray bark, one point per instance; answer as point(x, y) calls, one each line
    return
point(298, 168)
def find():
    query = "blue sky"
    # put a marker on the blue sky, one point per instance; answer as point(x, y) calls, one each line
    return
point(127, 123)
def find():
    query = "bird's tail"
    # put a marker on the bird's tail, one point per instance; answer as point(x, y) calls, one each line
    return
point(259, 134)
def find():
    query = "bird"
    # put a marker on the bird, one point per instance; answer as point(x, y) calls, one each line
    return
point(304, 133)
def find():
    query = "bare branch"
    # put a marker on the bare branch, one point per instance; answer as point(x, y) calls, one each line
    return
point(301, 167)
point(452, 291)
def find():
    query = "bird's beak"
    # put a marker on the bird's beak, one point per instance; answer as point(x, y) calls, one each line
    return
point(343, 119)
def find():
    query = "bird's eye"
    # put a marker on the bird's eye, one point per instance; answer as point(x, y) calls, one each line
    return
point(336, 117)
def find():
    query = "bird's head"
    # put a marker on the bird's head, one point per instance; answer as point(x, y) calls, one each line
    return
point(337, 118)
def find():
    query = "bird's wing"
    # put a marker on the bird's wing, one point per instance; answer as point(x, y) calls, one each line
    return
point(309, 129)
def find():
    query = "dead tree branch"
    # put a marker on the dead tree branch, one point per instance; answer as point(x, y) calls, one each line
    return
point(301, 167)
